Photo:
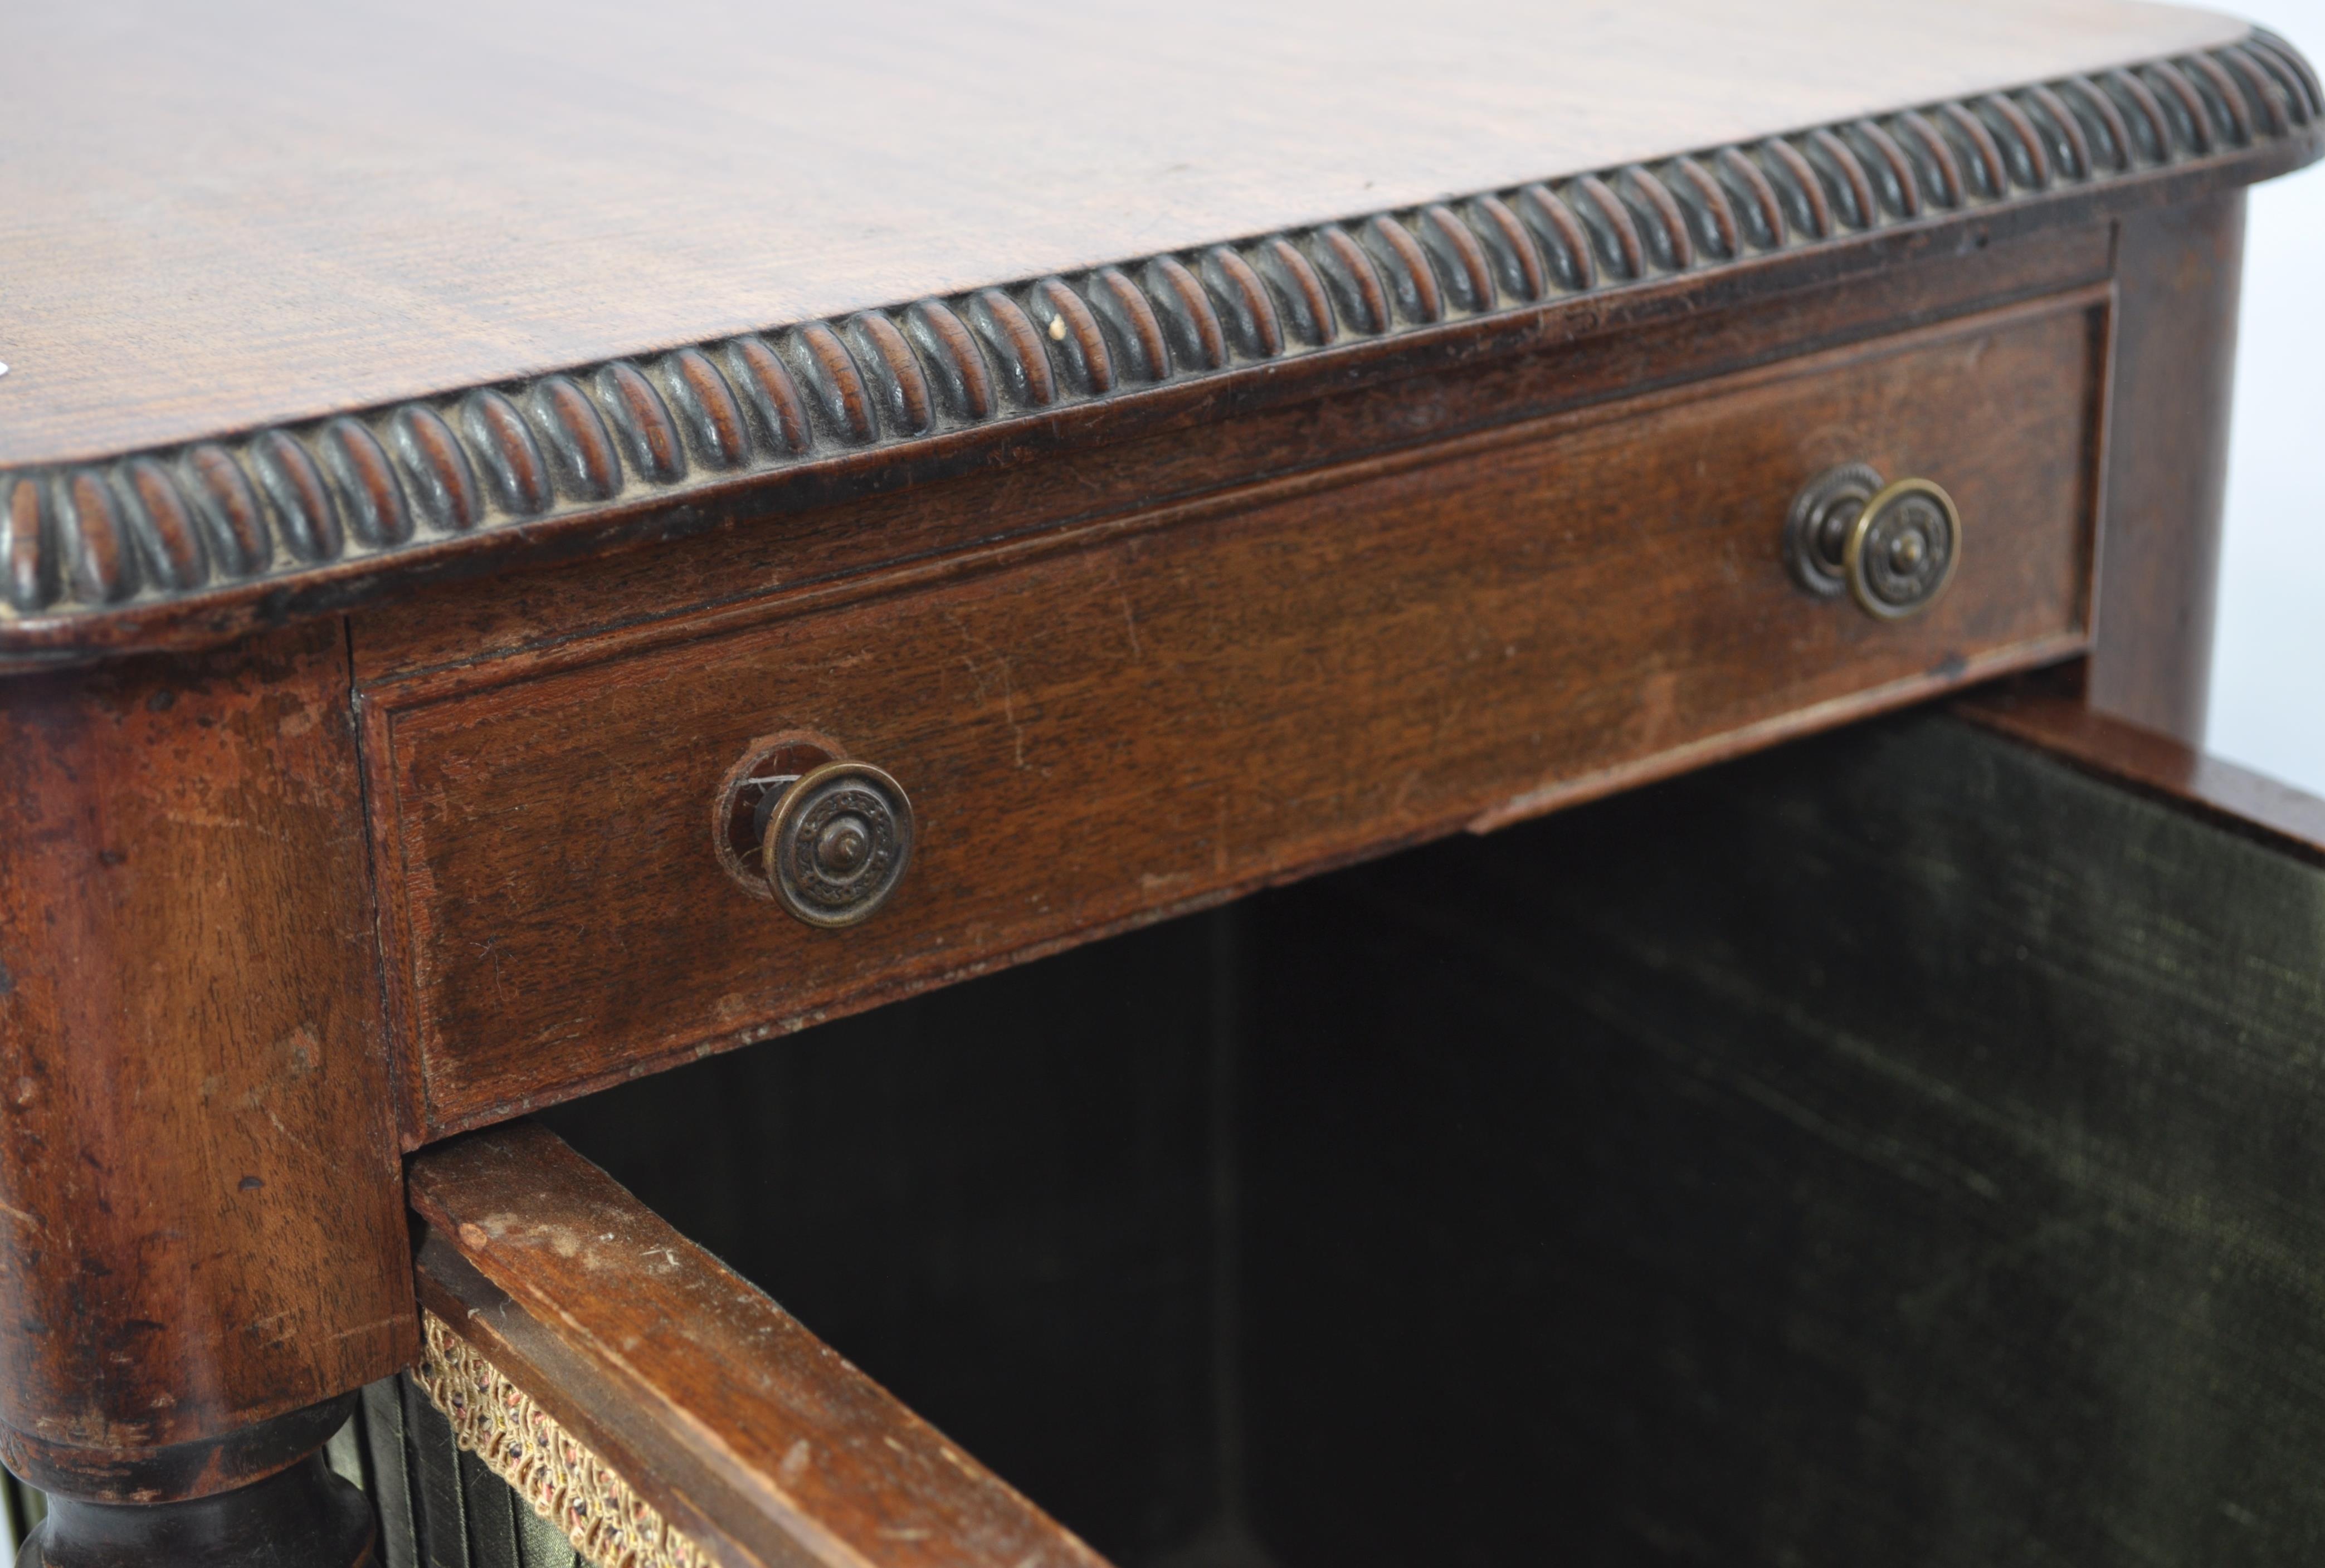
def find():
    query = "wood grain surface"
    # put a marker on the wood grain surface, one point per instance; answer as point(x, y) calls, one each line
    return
point(2179, 279)
point(200, 1224)
point(1194, 440)
point(724, 1412)
point(1100, 726)
point(231, 216)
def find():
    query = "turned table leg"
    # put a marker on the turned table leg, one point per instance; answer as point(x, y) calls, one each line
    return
point(203, 1251)
point(235, 1504)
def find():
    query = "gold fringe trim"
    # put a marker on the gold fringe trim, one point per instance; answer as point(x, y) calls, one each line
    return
point(608, 1523)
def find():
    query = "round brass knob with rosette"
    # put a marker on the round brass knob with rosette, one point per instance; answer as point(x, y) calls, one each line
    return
point(1891, 547)
point(838, 842)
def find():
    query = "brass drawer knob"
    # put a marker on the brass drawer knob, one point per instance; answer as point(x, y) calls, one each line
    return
point(838, 842)
point(1894, 547)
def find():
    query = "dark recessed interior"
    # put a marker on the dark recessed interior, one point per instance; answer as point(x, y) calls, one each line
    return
point(1721, 1174)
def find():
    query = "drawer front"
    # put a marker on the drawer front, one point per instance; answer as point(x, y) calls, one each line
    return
point(1098, 728)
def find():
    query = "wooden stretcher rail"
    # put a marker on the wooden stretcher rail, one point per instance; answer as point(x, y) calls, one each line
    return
point(675, 1415)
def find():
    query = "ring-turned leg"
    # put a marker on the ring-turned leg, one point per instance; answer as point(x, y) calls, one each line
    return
point(203, 1251)
point(237, 1503)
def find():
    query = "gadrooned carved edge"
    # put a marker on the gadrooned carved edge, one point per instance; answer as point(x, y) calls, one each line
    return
point(181, 524)
point(565, 1483)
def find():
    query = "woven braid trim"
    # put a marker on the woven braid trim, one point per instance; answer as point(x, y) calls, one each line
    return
point(606, 1521)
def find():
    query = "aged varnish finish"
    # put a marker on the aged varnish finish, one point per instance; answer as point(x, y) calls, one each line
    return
point(536, 554)
point(1109, 721)
point(190, 539)
point(785, 1453)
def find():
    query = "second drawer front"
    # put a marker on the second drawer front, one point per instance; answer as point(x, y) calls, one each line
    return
point(1149, 713)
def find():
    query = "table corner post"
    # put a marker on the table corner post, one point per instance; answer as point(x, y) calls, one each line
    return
point(203, 1245)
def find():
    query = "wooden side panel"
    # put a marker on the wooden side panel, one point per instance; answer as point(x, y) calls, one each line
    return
point(1902, 1147)
point(200, 1215)
point(737, 1426)
point(1154, 713)
point(2180, 272)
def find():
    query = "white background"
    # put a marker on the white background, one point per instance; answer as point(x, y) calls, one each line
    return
point(2268, 656)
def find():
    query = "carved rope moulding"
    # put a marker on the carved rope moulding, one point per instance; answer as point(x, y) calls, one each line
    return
point(606, 1521)
point(217, 515)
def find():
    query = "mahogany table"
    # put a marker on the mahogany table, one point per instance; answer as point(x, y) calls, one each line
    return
point(540, 546)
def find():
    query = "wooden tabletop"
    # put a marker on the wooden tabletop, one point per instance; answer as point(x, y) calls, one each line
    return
point(222, 216)
point(302, 309)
